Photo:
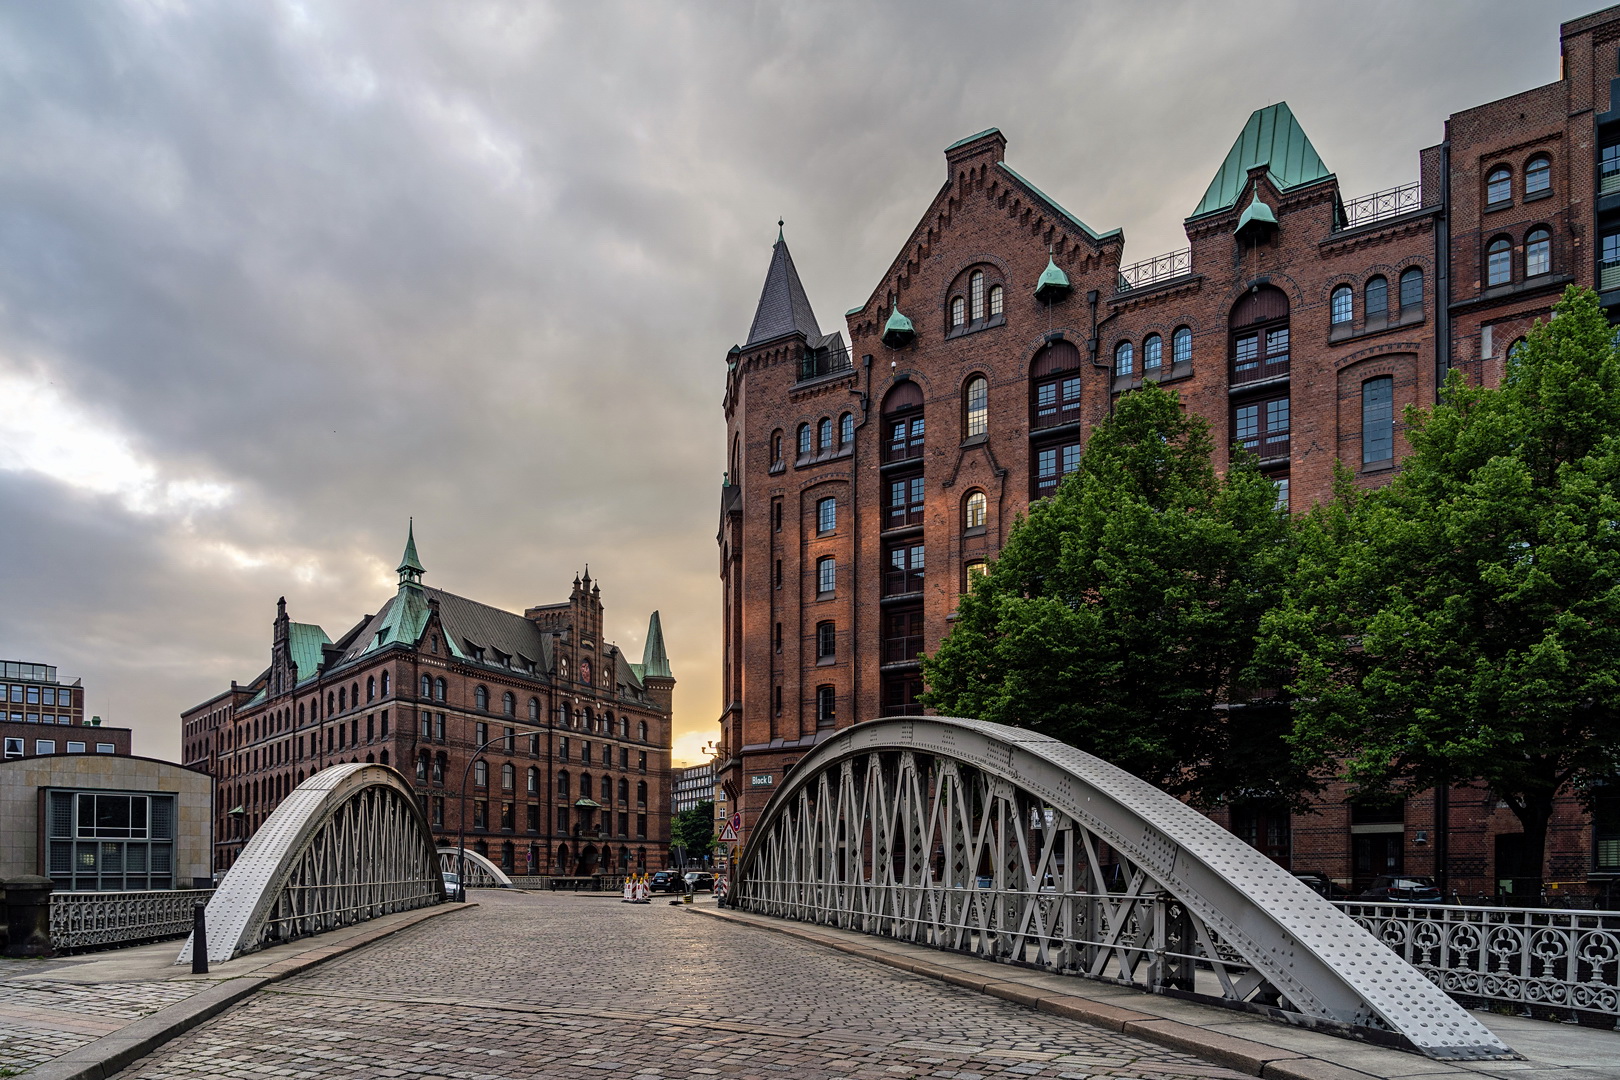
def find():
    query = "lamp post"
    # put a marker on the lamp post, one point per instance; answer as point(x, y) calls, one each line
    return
point(461, 835)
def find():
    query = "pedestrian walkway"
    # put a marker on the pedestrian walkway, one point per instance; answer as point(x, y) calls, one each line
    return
point(1251, 1043)
point(91, 1013)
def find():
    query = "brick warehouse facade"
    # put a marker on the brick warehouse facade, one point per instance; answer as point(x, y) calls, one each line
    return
point(577, 780)
point(868, 480)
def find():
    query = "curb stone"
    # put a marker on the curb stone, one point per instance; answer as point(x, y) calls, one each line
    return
point(111, 1053)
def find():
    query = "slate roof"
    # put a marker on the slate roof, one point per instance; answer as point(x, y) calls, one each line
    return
point(1272, 138)
point(783, 307)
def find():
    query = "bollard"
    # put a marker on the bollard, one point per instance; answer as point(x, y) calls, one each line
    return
point(199, 938)
point(28, 916)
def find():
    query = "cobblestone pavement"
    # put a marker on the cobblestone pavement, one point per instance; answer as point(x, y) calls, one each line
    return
point(40, 1020)
point(576, 986)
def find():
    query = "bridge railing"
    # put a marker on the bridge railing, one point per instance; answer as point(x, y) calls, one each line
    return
point(1533, 957)
point(96, 920)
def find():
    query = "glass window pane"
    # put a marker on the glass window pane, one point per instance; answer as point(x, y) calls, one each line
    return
point(1377, 298)
point(1378, 419)
point(1411, 289)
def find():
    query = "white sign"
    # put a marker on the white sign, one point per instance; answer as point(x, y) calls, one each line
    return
point(765, 780)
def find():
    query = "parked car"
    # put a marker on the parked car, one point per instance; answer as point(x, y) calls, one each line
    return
point(1322, 885)
point(667, 881)
point(699, 880)
point(452, 885)
point(1402, 889)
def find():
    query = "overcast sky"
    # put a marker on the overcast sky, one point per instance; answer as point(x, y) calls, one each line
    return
point(275, 277)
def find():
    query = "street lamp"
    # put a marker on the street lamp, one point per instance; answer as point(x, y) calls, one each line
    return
point(461, 835)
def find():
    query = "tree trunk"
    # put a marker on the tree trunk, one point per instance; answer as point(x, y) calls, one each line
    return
point(1534, 814)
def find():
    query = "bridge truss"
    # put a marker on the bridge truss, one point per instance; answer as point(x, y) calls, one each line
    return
point(1010, 845)
point(347, 845)
point(481, 872)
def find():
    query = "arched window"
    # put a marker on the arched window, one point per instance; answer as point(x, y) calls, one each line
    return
point(804, 440)
point(1055, 386)
point(534, 708)
point(384, 757)
point(481, 773)
point(508, 777)
point(1259, 327)
point(562, 785)
point(1499, 261)
point(1181, 346)
point(826, 641)
point(1376, 298)
point(422, 766)
point(641, 793)
point(776, 447)
point(826, 575)
point(441, 762)
point(567, 715)
point(824, 430)
point(976, 401)
point(826, 706)
point(958, 312)
point(1538, 175)
point(1537, 252)
point(385, 684)
point(975, 509)
point(371, 688)
point(481, 699)
point(1124, 359)
point(997, 300)
point(300, 712)
point(624, 790)
point(846, 429)
point(641, 731)
point(1152, 354)
point(438, 689)
point(509, 703)
point(533, 778)
point(624, 727)
point(1499, 186)
point(903, 422)
point(585, 788)
point(1378, 420)
point(342, 704)
point(826, 516)
point(1411, 288)
point(976, 296)
point(1339, 308)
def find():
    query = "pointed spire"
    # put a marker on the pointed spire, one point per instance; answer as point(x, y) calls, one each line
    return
point(410, 567)
point(783, 307)
point(779, 238)
point(654, 659)
point(1272, 138)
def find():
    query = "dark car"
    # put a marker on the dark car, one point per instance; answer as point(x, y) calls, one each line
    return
point(667, 881)
point(1402, 889)
point(699, 881)
point(1322, 885)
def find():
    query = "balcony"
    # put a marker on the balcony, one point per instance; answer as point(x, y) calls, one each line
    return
point(902, 648)
point(1378, 206)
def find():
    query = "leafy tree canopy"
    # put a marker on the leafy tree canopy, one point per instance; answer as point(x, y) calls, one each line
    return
point(1122, 613)
point(694, 829)
point(1464, 621)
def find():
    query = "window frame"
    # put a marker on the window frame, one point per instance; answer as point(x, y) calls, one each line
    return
point(827, 515)
point(1538, 241)
point(826, 641)
point(1498, 186)
point(826, 576)
point(1341, 306)
point(1370, 408)
point(1375, 290)
point(1538, 165)
point(1411, 273)
point(1498, 256)
point(1124, 359)
point(975, 406)
point(975, 511)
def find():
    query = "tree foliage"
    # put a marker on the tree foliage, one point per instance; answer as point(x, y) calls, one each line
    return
point(1464, 621)
point(1121, 615)
point(693, 829)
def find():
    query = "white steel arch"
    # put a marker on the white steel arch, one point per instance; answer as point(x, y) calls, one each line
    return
point(1003, 842)
point(481, 873)
point(346, 845)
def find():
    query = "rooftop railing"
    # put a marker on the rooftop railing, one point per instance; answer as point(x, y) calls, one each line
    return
point(1140, 275)
point(818, 362)
point(1380, 205)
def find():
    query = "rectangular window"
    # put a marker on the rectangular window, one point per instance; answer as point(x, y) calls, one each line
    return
point(438, 726)
point(509, 738)
point(1052, 464)
point(826, 706)
point(826, 516)
point(14, 748)
point(905, 506)
point(106, 748)
point(562, 748)
point(385, 723)
point(1263, 427)
point(533, 821)
point(902, 636)
point(480, 814)
point(44, 746)
point(903, 569)
point(438, 810)
point(826, 641)
point(1057, 402)
point(562, 819)
point(624, 823)
point(508, 817)
point(826, 576)
point(905, 439)
point(110, 841)
point(427, 725)
point(641, 826)
point(534, 746)
point(1378, 420)
point(900, 694)
point(75, 747)
point(480, 733)
point(1282, 492)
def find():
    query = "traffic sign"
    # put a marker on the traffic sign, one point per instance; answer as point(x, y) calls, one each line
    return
point(729, 833)
point(736, 822)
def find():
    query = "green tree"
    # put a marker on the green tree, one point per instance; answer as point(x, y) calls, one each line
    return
point(1464, 621)
point(1121, 615)
point(694, 830)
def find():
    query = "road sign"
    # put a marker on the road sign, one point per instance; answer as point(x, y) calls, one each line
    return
point(736, 822)
point(729, 833)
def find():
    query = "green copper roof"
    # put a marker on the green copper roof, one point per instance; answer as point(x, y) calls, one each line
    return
point(1053, 280)
point(654, 659)
point(304, 641)
point(898, 330)
point(1256, 212)
point(409, 561)
point(970, 138)
point(1272, 138)
point(1049, 201)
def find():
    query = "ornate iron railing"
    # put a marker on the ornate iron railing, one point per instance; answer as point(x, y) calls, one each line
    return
point(1140, 275)
point(818, 362)
point(88, 920)
point(1519, 956)
point(1381, 204)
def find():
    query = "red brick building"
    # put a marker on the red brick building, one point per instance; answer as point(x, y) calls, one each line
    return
point(40, 714)
point(871, 476)
point(563, 743)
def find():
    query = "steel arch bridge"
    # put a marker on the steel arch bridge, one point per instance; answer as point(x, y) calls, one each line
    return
point(1008, 844)
point(481, 872)
point(347, 845)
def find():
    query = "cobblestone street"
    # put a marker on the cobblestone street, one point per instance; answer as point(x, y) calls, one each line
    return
point(571, 986)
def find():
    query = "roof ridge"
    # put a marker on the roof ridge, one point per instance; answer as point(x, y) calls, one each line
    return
point(1272, 137)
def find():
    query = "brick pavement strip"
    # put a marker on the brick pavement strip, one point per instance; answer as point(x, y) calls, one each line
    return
point(559, 986)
